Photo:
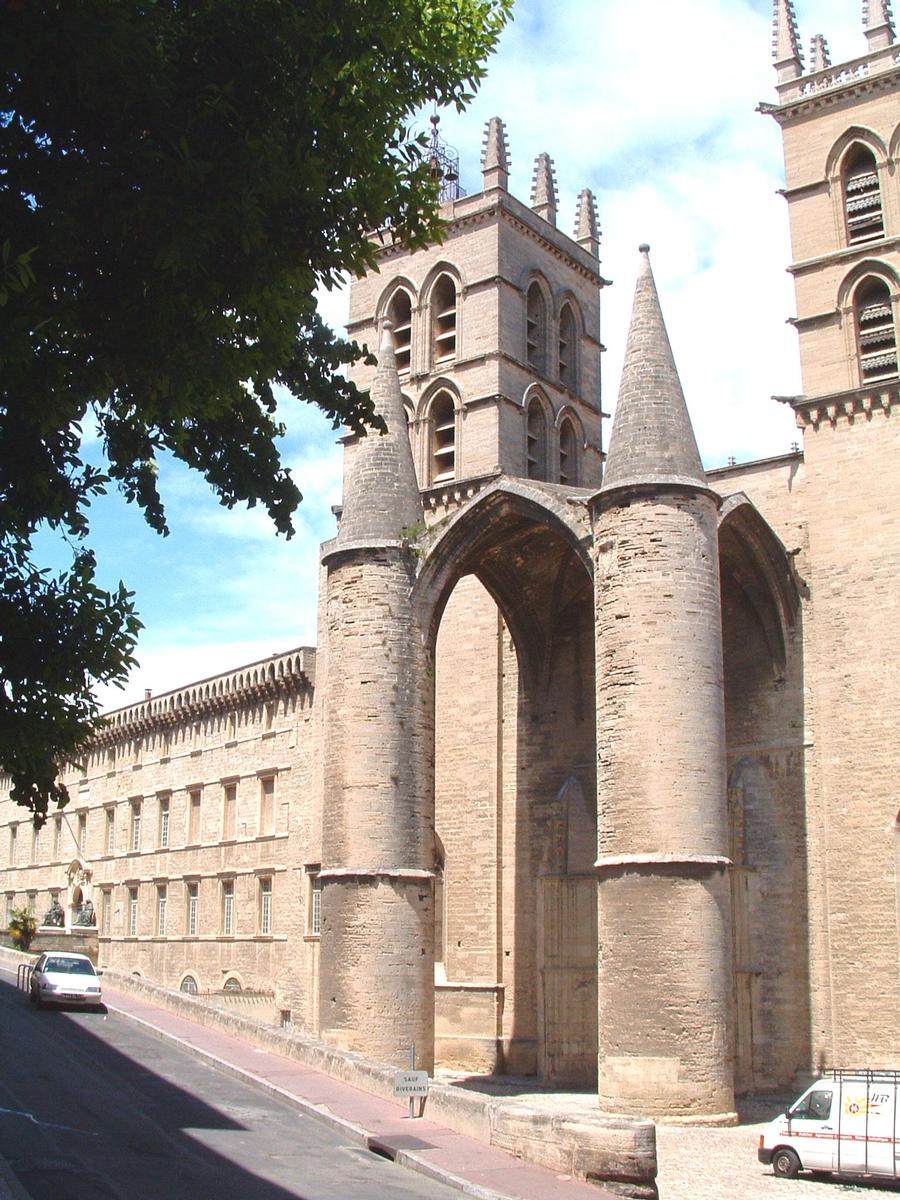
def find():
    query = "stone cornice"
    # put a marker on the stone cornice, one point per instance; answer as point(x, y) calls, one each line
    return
point(280, 675)
point(845, 405)
point(846, 254)
point(835, 85)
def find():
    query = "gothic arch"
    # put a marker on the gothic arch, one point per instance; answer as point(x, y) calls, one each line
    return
point(537, 321)
point(754, 557)
point(839, 149)
point(538, 432)
point(864, 145)
point(444, 332)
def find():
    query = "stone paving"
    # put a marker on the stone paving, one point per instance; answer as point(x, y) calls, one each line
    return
point(712, 1164)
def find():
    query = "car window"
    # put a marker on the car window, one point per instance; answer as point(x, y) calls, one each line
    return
point(814, 1107)
point(71, 966)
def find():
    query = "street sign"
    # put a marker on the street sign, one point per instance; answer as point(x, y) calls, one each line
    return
point(411, 1083)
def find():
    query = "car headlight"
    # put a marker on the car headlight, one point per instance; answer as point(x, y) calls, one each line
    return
point(49, 987)
point(96, 990)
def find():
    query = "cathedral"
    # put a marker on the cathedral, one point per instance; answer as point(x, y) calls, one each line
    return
point(592, 776)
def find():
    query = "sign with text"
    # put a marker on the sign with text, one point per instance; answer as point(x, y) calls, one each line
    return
point(411, 1083)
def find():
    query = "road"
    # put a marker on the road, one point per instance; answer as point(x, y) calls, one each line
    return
point(92, 1107)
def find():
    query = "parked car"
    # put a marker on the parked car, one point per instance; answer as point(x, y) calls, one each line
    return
point(60, 978)
point(846, 1123)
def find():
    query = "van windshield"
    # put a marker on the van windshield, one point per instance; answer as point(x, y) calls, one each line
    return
point(814, 1107)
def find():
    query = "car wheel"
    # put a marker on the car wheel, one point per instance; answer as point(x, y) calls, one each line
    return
point(785, 1163)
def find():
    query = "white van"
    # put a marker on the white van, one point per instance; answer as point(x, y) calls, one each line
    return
point(846, 1123)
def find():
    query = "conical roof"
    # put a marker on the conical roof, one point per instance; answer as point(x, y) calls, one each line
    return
point(381, 494)
point(652, 440)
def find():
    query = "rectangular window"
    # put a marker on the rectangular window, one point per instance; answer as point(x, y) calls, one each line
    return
point(13, 838)
point(228, 908)
point(35, 844)
point(31, 903)
point(265, 906)
point(267, 805)
point(135, 826)
point(132, 912)
point(110, 831)
point(57, 837)
point(106, 911)
point(192, 923)
point(229, 811)
point(10, 906)
point(162, 899)
point(314, 922)
point(164, 823)
point(82, 833)
point(194, 798)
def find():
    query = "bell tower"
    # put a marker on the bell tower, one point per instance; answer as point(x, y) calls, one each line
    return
point(840, 125)
point(496, 332)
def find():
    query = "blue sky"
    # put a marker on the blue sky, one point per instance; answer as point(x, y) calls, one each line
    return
point(651, 105)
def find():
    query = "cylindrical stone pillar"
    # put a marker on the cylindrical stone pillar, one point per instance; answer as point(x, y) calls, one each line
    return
point(664, 923)
point(376, 957)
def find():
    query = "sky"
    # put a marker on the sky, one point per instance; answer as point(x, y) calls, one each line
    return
point(652, 106)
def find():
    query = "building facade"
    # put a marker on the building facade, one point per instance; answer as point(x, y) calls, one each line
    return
point(591, 774)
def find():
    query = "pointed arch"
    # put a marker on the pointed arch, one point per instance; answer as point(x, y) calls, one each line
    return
point(869, 298)
point(854, 168)
point(538, 423)
point(568, 343)
point(538, 306)
point(570, 439)
point(440, 409)
point(398, 304)
point(441, 301)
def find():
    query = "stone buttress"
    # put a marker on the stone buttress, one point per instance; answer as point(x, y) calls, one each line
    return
point(376, 984)
point(663, 888)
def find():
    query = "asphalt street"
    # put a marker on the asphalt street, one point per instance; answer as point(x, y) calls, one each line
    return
point(93, 1107)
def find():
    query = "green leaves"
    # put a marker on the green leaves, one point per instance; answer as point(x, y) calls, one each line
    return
point(177, 179)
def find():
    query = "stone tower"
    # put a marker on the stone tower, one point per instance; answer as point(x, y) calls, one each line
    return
point(841, 138)
point(663, 888)
point(376, 974)
point(496, 333)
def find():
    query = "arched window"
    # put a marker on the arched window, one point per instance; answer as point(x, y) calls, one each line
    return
point(443, 319)
point(875, 331)
point(568, 348)
point(535, 327)
point(232, 984)
point(189, 985)
point(443, 438)
point(862, 196)
point(536, 438)
point(568, 454)
point(400, 317)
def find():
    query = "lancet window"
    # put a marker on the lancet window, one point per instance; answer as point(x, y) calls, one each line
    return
point(568, 348)
point(443, 319)
point(862, 197)
point(568, 454)
point(876, 331)
point(400, 317)
point(535, 327)
point(536, 438)
point(443, 438)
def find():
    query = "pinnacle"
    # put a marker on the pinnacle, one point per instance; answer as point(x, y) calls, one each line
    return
point(543, 188)
point(878, 22)
point(819, 58)
point(652, 440)
point(381, 495)
point(785, 42)
point(586, 233)
point(495, 155)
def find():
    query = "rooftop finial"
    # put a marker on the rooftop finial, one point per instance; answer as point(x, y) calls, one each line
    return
point(543, 188)
point(586, 232)
point(495, 156)
point(878, 23)
point(819, 58)
point(443, 163)
point(785, 43)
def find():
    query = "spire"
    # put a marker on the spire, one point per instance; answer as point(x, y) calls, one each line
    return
point(381, 495)
point(652, 440)
point(543, 188)
point(785, 43)
point(495, 156)
point(819, 58)
point(878, 23)
point(586, 234)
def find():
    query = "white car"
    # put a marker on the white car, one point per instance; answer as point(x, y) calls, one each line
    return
point(60, 978)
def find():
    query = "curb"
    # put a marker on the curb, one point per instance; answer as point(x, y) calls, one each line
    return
point(375, 1143)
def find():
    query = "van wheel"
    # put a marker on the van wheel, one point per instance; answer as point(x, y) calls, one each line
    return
point(785, 1163)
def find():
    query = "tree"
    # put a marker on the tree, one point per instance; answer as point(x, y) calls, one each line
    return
point(177, 179)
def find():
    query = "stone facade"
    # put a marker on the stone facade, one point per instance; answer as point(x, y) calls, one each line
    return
point(591, 775)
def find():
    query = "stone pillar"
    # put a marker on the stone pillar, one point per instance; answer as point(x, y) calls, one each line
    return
point(376, 964)
point(664, 926)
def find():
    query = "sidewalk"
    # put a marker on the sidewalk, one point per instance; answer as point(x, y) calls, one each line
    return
point(471, 1166)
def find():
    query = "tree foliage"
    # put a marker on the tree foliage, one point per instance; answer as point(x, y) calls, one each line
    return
point(176, 179)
